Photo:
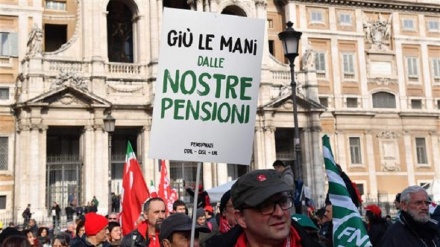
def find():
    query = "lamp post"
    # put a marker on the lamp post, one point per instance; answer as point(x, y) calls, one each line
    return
point(290, 39)
point(109, 126)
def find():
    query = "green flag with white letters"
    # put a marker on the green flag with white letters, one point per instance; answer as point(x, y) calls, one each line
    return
point(348, 228)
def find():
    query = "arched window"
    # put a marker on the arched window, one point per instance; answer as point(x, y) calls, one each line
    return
point(234, 10)
point(119, 32)
point(384, 100)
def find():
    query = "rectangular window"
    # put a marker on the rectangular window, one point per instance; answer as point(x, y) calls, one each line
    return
point(3, 153)
point(55, 5)
point(323, 101)
point(438, 104)
point(348, 63)
point(4, 93)
point(352, 102)
point(355, 150)
point(436, 68)
point(2, 202)
point(408, 24)
point(412, 66)
point(270, 23)
point(8, 44)
point(317, 16)
point(421, 151)
point(320, 61)
point(345, 19)
point(416, 104)
point(433, 26)
point(360, 187)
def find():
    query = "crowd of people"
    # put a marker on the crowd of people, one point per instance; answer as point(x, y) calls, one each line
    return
point(256, 211)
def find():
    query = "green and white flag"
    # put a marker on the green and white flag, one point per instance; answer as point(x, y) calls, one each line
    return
point(348, 228)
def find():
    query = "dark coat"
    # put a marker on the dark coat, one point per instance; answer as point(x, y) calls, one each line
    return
point(376, 231)
point(82, 242)
point(230, 238)
point(139, 235)
point(407, 232)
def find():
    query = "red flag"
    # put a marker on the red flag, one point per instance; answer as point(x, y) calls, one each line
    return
point(134, 193)
point(164, 187)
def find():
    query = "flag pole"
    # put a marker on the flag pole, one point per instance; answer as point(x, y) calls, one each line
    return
point(196, 194)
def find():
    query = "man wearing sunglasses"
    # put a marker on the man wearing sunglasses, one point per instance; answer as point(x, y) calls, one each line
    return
point(262, 202)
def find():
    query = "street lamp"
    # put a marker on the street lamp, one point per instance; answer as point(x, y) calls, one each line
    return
point(109, 126)
point(290, 39)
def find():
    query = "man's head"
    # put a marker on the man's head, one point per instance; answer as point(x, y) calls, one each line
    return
point(227, 210)
point(397, 201)
point(32, 222)
point(415, 201)
point(179, 207)
point(262, 201)
point(200, 217)
point(113, 217)
point(176, 231)
point(96, 228)
point(279, 166)
point(154, 212)
point(328, 215)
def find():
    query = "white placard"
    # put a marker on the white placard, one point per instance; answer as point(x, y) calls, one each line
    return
point(207, 87)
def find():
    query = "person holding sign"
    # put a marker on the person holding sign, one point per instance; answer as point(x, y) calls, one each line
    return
point(262, 202)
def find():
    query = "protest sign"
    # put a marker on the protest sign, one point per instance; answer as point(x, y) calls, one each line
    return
point(207, 87)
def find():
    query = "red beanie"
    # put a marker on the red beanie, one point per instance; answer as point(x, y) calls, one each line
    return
point(374, 209)
point(94, 223)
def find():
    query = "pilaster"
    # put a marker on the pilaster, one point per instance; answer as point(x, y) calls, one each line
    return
point(407, 141)
point(371, 163)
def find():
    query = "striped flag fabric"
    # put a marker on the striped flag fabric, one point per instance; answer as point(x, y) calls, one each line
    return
point(348, 228)
point(164, 191)
point(153, 192)
point(134, 191)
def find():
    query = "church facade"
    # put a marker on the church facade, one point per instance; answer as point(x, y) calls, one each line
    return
point(368, 76)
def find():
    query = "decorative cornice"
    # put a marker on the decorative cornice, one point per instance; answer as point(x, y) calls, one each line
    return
point(376, 4)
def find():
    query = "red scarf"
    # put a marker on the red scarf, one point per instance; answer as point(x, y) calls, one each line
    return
point(224, 225)
point(292, 241)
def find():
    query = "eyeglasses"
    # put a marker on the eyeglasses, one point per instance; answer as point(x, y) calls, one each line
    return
point(112, 218)
point(268, 207)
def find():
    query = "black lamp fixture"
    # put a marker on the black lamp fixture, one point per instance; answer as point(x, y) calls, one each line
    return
point(109, 123)
point(290, 39)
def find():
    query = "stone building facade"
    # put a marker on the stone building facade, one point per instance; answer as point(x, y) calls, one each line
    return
point(368, 76)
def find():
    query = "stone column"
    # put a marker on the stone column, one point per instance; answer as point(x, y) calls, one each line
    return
point(21, 169)
point(222, 174)
point(148, 165)
point(259, 154)
point(154, 31)
point(206, 175)
point(42, 136)
point(269, 146)
point(290, 12)
point(199, 4)
point(88, 162)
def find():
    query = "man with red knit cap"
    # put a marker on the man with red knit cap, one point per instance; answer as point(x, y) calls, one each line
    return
point(95, 231)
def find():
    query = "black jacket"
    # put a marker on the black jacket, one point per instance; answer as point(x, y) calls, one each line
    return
point(82, 242)
point(139, 240)
point(230, 238)
point(407, 232)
